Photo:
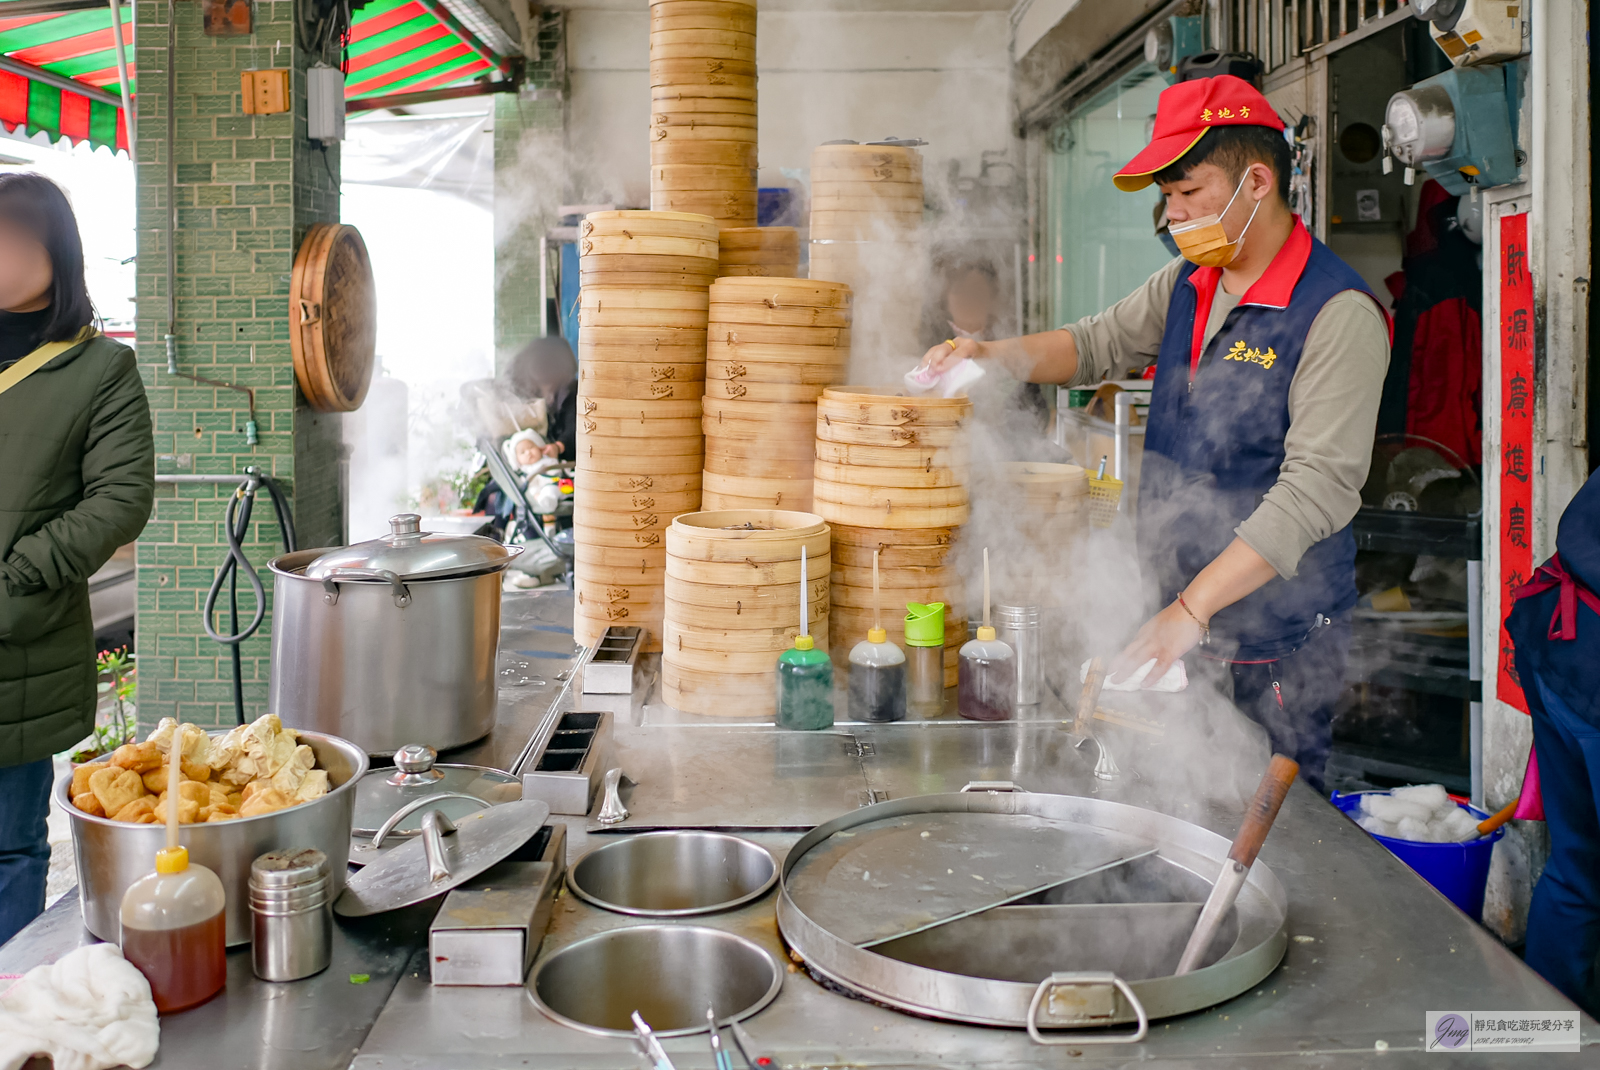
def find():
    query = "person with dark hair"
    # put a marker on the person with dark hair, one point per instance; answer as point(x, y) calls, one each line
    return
point(967, 305)
point(1270, 355)
point(79, 477)
point(545, 368)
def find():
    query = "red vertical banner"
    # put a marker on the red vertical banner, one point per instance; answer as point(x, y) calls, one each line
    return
point(1516, 437)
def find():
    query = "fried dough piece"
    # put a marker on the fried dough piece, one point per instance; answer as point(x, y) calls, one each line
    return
point(89, 803)
point(265, 802)
point(140, 811)
point(139, 757)
point(116, 787)
point(81, 775)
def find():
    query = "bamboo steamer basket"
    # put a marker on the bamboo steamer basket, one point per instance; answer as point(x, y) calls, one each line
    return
point(636, 223)
point(737, 295)
point(702, 89)
point(698, 652)
point(680, 23)
point(882, 197)
point(850, 160)
point(619, 540)
point(776, 537)
point(711, 642)
point(738, 316)
point(642, 317)
point(655, 269)
point(776, 448)
point(762, 492)
point(735, 75)
point(735, 333)
point(631, 577)
point(732, 574)
point(646, 342)
point(888, 516)
point(846, 597)
point(657, 279)
point(777, 393)
point(741, 616)
point(735, 602)
point(793, 472)
point(706, 177)
point(723, 50)
point(737, 417)
point(885, 435)
point(755, 371)
point(763, 271)
point(702, 164)
point(628, 458)
point(640, 559)
point(643, 390)
point(890, 478)
point(905, 455)
point(890, 500)
point(716, 500)
point(619, 523)
point(891, 555)
point(733, 207)
point(642, 426)
point(761, 353)
point(666, 37)
point(600, 297)
point(649, 245)
point(864, 224)
point(783, 240)
point(896, 577)
point(872, 537)
point(881, 406)
point(670, 503)
point(661, 117)
point(659, 409)
point(757, 257)
point(719, 694)
point(656, 364)
point(610, 483)
point(875, 189)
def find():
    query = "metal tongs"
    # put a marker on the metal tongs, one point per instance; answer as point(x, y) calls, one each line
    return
point(654, 1056)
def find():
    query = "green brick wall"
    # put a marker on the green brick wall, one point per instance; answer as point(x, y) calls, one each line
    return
point(530, 179)
point(247, 188)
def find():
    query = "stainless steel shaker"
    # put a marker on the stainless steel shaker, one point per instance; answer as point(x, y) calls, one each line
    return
point(1018, 627)
point(291, 911)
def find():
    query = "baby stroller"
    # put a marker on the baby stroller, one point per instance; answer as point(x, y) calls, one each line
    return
point(549, 553)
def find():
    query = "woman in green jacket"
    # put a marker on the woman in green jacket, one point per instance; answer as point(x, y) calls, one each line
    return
point(77, 477)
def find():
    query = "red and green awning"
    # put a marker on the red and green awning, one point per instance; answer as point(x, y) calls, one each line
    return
point(46, 55)
point(396, 47)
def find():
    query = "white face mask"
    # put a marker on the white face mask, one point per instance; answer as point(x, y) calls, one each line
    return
point(1203, 241)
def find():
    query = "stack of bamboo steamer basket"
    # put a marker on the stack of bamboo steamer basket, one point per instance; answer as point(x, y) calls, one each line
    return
point(733, 605)
point(773, 346)
point(891, 476)
point(642, 309)
point(866, 232)
point(769, 251)
point(703, 108)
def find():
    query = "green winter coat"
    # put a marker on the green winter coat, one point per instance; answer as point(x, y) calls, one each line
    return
point(77, 478)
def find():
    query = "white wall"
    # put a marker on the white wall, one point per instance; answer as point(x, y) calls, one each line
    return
point(940, 75)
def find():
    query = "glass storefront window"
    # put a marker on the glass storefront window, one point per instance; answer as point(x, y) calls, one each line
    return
point(1099, 243)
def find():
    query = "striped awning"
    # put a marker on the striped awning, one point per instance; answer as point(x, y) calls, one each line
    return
point(396, 47)
point(44, 56)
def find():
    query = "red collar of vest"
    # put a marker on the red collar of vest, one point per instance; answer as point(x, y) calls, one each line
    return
point(1273, 289)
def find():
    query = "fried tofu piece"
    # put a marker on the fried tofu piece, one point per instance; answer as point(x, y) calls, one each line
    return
point(265, 802)
point(140, 811)
point(116, 787)
point(155, 781)
point(288, 777)
point(139, 757)
point(221, 815)
point(196, 742)
point(188, 810)
point(313, 786)
point(89, 803)
point(81, 775)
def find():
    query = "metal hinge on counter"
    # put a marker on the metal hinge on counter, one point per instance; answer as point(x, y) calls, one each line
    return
point(871, 796)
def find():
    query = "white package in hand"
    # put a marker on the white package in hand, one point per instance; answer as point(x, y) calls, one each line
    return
point(1175, 679)
point(922, 381)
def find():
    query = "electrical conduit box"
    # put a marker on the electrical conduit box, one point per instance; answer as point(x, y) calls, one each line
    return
point(1458, 126)
point(324, 103)
point(1471, 32)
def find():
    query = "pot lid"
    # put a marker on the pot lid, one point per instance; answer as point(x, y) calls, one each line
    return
point(447, 854)
point(416, 776)
point(413, 554)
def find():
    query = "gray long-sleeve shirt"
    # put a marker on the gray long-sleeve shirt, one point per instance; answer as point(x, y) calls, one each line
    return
point(1333, 405)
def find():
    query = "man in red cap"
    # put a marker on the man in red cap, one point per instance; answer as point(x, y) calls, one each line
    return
point(1270, 355)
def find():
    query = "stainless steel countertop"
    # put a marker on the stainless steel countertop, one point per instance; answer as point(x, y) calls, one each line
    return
point(1374, 946)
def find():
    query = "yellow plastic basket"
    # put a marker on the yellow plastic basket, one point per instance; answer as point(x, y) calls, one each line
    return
point(1105, 497)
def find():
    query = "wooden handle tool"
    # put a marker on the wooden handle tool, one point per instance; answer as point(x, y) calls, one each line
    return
point(1093, 683)
point(1489, 824)
point(1258, 819)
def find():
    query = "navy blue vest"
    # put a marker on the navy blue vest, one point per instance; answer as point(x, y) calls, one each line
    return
point(1212, 452)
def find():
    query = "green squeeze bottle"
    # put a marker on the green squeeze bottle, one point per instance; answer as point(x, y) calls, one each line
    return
point(805, 674)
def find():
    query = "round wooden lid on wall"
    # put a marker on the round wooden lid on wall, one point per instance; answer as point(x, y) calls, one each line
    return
point(333, 321)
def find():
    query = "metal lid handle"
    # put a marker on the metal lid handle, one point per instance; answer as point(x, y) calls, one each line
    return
point(1086, 980)
point(435, 826)
point(330, 583)
point(415, 805)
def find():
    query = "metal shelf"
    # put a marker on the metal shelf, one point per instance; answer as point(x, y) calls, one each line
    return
point(1418, 533)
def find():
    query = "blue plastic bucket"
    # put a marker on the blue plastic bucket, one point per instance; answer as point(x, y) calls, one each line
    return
point(1460, 871)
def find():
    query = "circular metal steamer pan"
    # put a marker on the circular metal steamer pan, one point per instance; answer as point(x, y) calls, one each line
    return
point(1262, 919)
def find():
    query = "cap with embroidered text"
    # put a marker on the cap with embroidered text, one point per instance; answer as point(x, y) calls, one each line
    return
point(1185, 112)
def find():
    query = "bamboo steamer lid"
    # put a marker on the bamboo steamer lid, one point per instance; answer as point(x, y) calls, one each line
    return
point(891, 556)
point(749, 535)
point(734, 334)
point(641, 559)
point(334, 332)
point(905, 455)
point(612, 483)
point(755, 371)
point(889, 516)
point(736, 294)
point(919, 478)
point(773, 492)
point(890, 499)
point(621, 540)
point(663, 410)
point(777, 393)
point(642, 297)
point(885, 435)
point(875, 536)
point(636, 223)
point(642, 317)
point(881, 406)
point(765, 271)
point(771, 355)
point(638, 502)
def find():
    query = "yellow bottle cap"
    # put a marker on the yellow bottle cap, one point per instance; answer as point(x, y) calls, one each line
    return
point(804, 642)
point(985, 634)
point(877, 635)
point(172, 860)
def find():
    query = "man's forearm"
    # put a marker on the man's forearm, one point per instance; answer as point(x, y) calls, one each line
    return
point(1047, 357)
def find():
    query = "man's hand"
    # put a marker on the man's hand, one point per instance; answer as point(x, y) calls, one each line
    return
point(1166, 637)
point(944, 356)
point(555, 449)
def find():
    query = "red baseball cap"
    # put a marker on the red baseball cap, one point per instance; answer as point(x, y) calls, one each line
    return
point(1183, 115)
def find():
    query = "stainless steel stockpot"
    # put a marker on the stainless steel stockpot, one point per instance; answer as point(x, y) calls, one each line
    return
point(389, 642)
point(111, 855)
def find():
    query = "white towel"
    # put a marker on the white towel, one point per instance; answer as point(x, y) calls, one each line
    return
point(88, 1011)
point(1175, 679)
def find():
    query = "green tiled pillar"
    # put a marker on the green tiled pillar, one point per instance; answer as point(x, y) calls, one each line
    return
point(530, 180)
point(247, 187)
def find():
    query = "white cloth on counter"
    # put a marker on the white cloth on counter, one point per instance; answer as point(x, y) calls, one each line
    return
point(1175, 679)
point(1424, 813)
point(89, 1010)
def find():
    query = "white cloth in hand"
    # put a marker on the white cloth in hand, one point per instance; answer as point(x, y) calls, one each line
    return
point(1175, 679)
point(88, 1011)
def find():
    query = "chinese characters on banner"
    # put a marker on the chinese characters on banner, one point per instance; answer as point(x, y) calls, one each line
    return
point(1516, 436)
